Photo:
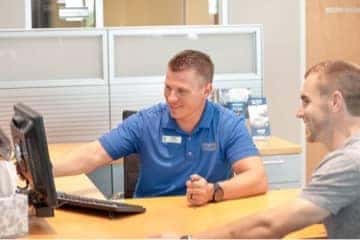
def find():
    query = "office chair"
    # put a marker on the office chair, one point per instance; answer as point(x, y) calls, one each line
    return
point(131, 166)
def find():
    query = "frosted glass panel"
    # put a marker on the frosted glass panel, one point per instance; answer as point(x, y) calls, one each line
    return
point(50, 58)
point(148, 54)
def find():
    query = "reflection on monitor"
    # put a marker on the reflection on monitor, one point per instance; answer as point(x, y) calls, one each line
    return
point(33, 163)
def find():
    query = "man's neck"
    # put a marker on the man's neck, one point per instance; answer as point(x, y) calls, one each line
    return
point(343, 132)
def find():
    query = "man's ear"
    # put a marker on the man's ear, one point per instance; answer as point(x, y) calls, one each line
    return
point(337, 101)
point(208, 89)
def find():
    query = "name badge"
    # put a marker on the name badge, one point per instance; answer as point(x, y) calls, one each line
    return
point(208, 147)
point(171, 139)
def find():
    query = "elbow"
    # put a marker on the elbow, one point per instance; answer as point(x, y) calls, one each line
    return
point(262, 185)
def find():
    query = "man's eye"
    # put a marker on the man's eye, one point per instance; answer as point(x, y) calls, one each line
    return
point(305, 102)
point(181, 92)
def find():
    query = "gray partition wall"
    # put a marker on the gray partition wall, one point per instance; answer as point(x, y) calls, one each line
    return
point(63, 75)
point(15, 13)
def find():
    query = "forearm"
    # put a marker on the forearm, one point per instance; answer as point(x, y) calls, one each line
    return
point(247, 183)
point(256, 226)
point(272, 223)
point(85, 159)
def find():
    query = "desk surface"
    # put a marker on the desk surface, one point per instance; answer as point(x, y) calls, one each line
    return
point(163, 215)
point(277, 146)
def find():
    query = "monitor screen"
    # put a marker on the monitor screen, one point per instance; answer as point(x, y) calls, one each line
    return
point(32, 158)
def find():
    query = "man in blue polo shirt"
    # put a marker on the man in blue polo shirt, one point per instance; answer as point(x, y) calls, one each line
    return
point(186, 146)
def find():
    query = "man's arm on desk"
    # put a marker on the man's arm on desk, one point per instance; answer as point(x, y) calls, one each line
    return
point(273, 223)
point(250, 179)
point(82, 160)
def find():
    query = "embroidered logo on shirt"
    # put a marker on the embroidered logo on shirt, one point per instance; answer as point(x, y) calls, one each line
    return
point(208, 147)
point(171, 139)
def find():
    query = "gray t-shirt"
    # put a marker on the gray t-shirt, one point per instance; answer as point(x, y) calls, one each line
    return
point(335, 186)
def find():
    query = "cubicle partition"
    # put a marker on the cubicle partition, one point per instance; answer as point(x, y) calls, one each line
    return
point(61, 74)
point(82, 79)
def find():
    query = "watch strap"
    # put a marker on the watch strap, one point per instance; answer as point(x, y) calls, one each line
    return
point(217, 188)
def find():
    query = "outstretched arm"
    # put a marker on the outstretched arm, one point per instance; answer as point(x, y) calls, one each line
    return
point(273, 223)
point(82, 160)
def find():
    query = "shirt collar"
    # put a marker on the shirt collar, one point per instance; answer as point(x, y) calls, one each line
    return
point(169, 123)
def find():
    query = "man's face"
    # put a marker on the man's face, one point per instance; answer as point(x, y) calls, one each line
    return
point(314, 110)
point(186, 93)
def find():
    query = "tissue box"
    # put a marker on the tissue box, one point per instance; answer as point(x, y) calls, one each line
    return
point(14, 216)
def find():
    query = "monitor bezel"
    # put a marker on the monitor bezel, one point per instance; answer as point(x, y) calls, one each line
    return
point(32, 158)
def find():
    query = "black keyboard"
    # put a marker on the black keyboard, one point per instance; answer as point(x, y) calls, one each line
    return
point(111, 207)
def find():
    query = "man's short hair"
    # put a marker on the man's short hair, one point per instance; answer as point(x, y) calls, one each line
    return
point(193, 59)
point(342, 76)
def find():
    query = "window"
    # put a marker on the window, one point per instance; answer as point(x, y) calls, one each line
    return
point(63, 13)
point(116, 13)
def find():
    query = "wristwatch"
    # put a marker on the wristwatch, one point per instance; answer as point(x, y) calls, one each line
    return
point(186, 237)
point(218, 193)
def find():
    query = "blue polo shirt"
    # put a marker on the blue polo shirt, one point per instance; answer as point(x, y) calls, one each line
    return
point(169, 155)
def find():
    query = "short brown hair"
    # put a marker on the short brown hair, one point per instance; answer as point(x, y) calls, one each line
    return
point(342, 76)
point(193, 59)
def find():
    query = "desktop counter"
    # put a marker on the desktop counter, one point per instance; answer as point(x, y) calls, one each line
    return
point(163, 215)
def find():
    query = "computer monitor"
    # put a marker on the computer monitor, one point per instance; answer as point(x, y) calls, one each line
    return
point(32, 158)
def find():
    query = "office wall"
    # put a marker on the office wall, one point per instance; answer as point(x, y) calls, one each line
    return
point(143, 12)
point(12, 13)
point(333, 32)
point(282, 57)
point(197, 12)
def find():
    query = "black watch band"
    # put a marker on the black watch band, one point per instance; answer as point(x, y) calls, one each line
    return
point(185, 237)
point(218, 193)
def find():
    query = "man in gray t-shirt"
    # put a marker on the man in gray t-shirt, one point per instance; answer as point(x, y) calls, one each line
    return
point(335, 186)
point(330, 109)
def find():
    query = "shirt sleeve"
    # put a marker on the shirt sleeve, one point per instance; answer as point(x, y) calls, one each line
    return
point(238, 144)
point(124, 139)
point(335, 184)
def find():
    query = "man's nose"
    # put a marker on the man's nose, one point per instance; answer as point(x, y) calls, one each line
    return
point(300, 113)
point(172, 96)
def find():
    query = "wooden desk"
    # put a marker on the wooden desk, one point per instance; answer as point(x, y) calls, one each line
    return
point(163, 215)
point(277, 146)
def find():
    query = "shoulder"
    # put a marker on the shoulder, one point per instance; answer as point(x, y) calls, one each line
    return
point(336, 181)
point(223, 114)
point(153, 112)
point(346, 158)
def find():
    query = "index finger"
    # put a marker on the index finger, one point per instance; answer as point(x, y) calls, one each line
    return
point(194, 177)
